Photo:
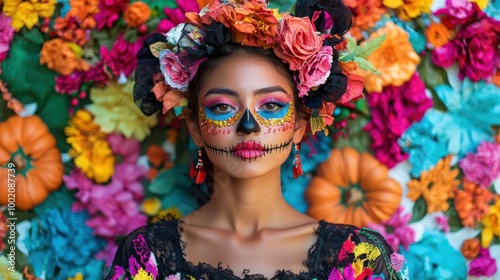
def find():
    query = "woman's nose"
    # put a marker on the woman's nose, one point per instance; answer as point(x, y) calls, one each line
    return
point(247, 124)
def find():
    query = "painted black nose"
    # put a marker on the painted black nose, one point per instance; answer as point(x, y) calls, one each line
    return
point(247, 124)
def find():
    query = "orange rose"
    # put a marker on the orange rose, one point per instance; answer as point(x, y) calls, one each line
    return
point(470, 248)
point(60, 57)
point(137, 13)
point(296, 41)
point(438, 34)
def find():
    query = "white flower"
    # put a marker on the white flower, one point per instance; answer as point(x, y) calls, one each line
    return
point(184, 35)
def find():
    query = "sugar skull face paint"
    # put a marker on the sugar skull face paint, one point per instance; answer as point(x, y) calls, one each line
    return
point(249, 150)
point(275, 111)
point(218, 112)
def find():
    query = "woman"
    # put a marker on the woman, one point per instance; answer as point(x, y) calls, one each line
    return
point(249, 99)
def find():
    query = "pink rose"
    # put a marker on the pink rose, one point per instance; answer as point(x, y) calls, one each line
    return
point(458, 11)
point(484, 265)
point(315, 71)
point(176, 74)
point(444, 56)
point(296, 41)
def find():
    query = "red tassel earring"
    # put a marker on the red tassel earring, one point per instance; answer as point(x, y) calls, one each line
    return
point(297, 164)
point(197, 173)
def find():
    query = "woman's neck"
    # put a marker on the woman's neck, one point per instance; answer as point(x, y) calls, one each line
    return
point(245, 206)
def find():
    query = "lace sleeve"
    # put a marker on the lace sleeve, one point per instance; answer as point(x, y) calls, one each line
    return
point(375, 252)
point(134, 258)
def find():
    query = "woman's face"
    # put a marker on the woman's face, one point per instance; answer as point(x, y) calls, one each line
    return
point(246, 117)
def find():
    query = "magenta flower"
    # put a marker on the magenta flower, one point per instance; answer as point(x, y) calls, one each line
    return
point(458, 12)
point(121, 59)
point(315, 71)
point(442, 222)
point(483, 167)
point(483, 265)
point(6, 35)
point(396, 230)
point(113, 208)
point(109, 12)
point(176, 16)
point(393, 111)
point(125, 149)
point(97, 74)
point(70, 83)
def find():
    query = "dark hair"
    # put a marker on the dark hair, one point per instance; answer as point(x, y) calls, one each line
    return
point(226, 51)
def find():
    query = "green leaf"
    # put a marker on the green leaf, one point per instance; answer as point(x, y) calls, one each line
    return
point(54, 112)
point(419, 210)
point(431, 74)
point(351, 45)
point(357, 137)
point(453, 218)
point(368, 47)
point(5, 112)
point(366, 65)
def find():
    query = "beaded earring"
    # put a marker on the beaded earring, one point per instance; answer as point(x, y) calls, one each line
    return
point(197, 173)
point(297, 164)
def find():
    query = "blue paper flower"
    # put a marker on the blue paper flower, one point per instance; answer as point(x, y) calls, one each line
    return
point(61, 245)
point(314, 150)
point(417, 39)
point(434, 258)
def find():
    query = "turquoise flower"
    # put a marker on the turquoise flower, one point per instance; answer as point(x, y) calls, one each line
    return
point(434, 258)
point(417, 39)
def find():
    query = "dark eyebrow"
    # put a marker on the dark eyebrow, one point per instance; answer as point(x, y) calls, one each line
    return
point(221, 90)
point(270, 89)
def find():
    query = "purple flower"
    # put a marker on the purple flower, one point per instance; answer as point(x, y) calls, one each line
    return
point(6, 35)
point(483, 167)
point(121, 59)
point(97, 74)
point(176, 74)
point(396, 230)
point(176, 16)
point(109, 12)
point(483, 265)
point(315, 71)
point(393, 111)
point(70, 83)
point(127, 149)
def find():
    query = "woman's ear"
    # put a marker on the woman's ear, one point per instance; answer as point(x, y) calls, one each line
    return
point(194, 130)
point(299, 130)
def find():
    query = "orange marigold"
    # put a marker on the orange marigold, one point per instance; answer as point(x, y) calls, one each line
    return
point(366, 13)
point(137, 13)
point(436, 186)
point(395, 59)
point(470, 248)
point(84, 10)
point(68, 29)
point(472, 203)
point(437, 34)
point(60, 56)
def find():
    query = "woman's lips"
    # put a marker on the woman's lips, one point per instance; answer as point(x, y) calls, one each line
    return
point(249, 150)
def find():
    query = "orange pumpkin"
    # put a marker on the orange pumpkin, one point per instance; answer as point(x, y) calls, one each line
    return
point(352, 188)
point(27, 146)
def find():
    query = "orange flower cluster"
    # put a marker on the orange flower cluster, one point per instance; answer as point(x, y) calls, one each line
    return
point(251, 24)
point(69, 30)
point(436, 186)
point(158, 159)
point(84, 11)
point(137, 13)
point(472, 203)
point(395, 59)
point(366, 13)
point(61, 57)
point(437, 34)
point(72, 28)
point(470, 248)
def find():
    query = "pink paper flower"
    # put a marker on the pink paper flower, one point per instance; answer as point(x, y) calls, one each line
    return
point(113, 208)
point(483, 265)
point(176, 16)
point(315, 71)
point(458, 12)
point(176, 75)
point(125, 149)
point(442, 222)
point(97, 74)
point(121, 59)
point(483, 167)
point(70, 83)
point(393, 111)
point(109, 12)
point(6, 35)
point(396, 230)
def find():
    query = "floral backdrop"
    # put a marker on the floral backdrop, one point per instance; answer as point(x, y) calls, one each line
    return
point(88, 167)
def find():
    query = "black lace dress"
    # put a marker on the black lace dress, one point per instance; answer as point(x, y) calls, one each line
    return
point(340, 252)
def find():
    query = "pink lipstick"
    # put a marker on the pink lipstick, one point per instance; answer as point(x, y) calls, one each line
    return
point(249, 150)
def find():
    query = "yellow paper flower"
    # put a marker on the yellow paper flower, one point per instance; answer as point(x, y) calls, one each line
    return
point(89, 147)
point(436, 186)
point(7, 274)
point(408, 9)
point(151, 206)
point(27, 13)
point(164, 214)
point(491, 225)
point(78, 276)
point(481, 3)
point(395, 59)
point(143, 275)
point(115, 111)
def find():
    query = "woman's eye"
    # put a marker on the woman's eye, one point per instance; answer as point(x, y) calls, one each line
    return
point(271, 107)
point(222, 109)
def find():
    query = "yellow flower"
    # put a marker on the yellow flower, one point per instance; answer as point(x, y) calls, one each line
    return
point(364, 252)
point(89, 147)
point(436, 186)
point(115, 111)
point(409, 9)
point(481, 3)
point(491, 225)
point(78, 276)
point(143, 275)
point(151, 206)
point(7, 274)
point(395, 59)
point(171, 212)
point(27, 13)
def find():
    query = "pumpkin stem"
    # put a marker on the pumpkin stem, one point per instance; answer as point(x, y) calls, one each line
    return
point(19, 161)
point(353, 196)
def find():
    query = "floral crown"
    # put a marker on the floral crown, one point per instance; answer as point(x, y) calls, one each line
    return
point(305, 42)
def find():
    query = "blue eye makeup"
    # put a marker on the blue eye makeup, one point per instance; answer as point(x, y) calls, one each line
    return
point(218, 113)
